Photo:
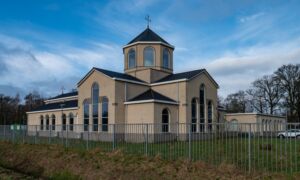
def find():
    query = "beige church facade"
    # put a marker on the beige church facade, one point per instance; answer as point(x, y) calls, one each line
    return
point(148, 92)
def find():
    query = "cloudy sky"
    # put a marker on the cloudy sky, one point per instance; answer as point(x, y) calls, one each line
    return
point(45, 45)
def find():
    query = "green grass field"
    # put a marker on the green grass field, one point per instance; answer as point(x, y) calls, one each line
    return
point(258, 154)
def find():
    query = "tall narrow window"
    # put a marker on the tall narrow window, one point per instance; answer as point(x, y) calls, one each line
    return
point(71, 122)
point(95, 102)
point(194, 115)
point(53, 122)
point(202, 107)
point(131, 59)
point(64, 122)
point(42, 122)
point(209, 115)
point(149, 56)
point(165, 120)
point(166, 58)
point(86, 115)
point(233, 125)
point(105, 114)
point(47, 122)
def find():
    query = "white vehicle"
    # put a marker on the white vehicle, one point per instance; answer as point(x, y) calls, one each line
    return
point(291, 133)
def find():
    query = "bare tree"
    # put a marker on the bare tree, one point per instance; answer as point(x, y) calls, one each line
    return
point(9, 109)
point(237, 102)
point(269, 90)
point(256, 100)
point(33, 100)
point(289, 77)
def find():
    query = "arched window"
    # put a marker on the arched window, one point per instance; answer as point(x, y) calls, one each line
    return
point(194, 115)
point(47, 122)
point(86, 115)
point(209, 115)
point(71, 122)
point(202, 107)
point(149, 56)
point(53, 122)
point(104, 114)
point(165, 120)
point(64, 122)
point(233, 125)
point(42, 122)
point(131, 59)
point(95, 101)
point(166, 58)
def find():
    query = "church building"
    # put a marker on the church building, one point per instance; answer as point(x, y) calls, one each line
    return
point(147, 92)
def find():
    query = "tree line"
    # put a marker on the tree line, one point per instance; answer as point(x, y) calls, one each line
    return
point(277, 93)
point(12, 111)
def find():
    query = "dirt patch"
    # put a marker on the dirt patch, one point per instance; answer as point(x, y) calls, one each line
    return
point(10, 174)
point(50, 161)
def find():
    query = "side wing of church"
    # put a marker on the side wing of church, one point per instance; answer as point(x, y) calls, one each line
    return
point(148, 92)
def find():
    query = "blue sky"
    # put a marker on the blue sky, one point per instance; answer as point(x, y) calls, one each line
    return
point(45, 45)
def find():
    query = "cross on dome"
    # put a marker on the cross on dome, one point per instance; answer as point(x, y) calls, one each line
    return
point(147, 18)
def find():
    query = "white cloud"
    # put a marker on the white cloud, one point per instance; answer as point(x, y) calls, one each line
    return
point(25, 67)
point(251, 17)
point(234, 71)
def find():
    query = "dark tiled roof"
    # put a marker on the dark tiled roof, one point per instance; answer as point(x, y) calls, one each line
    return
point(151, 95)
point(75, 93)
point(183, 75)
point(113, 74)
point(148, 35)
point(67, 104)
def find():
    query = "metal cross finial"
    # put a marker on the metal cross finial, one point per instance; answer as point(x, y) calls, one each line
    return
point(147, 18)
point(62, 89)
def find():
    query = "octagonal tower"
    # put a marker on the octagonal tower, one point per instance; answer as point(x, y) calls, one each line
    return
point(148, 57)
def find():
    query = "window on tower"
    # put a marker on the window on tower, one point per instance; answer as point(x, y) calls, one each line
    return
point(149, 56)
point(166, 58)
point(131, 59)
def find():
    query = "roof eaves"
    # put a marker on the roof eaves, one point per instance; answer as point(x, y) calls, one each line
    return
point(151, 101)
point(59, 99)
point(51, 110)
point(130, 81)
point(169, 82)
point(86, 76)
point(209, 76)
point(149, 42)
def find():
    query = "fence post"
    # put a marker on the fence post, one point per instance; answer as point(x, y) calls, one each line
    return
point(67, 135)
point(114, 136)
point(4, 132)
point(87, 139)
point(50, 132)
point(13, 129)
point(35, 135)
point(146, 145)
point(22, 130)
point(177, 131)
point(249, 149)
point(190, 141)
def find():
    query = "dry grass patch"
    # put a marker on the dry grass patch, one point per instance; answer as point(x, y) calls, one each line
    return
point(56, 162)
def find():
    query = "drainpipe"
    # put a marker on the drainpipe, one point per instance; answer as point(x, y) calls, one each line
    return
point(177, 134)
point(125, 91)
